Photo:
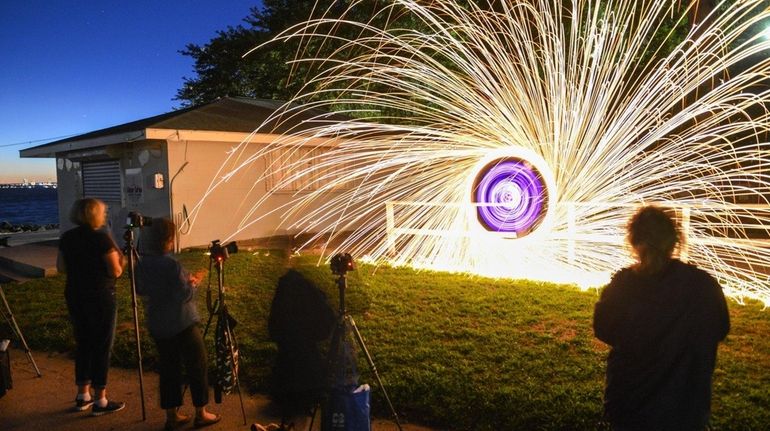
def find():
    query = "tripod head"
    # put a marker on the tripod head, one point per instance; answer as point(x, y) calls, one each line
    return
point(340, 264)
point(128, 246)
point(133, 220)
point(218, 253)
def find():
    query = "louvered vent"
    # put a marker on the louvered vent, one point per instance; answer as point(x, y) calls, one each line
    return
point(101, 180)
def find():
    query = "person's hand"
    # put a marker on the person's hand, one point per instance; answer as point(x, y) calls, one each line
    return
point(196, 277)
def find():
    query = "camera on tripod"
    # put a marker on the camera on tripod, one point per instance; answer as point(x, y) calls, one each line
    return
point(341, 263)
point(135, 219)
point(220, 252)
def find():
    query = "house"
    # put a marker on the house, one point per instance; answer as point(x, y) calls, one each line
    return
point(163, 165)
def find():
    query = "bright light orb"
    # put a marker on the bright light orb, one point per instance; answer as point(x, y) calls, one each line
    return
point(511, 197)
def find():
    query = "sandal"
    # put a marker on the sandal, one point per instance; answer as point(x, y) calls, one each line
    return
point(200, 422)
point(178, 422)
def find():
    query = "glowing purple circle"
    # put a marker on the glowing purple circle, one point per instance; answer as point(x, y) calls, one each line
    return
point(512, 196)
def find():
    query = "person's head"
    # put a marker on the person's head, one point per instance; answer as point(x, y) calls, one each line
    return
point(161, 236)
point(89, 212)
point(653, 235)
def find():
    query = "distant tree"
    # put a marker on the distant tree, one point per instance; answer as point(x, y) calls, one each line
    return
point(220, 69)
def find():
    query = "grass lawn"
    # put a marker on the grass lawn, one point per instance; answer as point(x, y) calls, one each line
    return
point(457, 352)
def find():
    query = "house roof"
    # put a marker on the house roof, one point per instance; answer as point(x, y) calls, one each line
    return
point(230, 114)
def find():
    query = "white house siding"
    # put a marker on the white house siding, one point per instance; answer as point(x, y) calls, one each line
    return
point(225, 208)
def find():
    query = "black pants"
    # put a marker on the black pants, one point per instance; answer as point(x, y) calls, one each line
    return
point(183, 349)
point(93, 320)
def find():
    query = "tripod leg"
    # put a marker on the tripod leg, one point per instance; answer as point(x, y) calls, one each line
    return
point(369, 360)
point(211, 317)
point(312, 418)
point(12, 321)
point(234, 369)
point(335, 357)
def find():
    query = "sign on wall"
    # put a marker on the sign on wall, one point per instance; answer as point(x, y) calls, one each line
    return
point(134, 186)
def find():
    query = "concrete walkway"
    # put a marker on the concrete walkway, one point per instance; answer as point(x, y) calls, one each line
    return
point(16, 239)
point(30, 255)
point(45, 403)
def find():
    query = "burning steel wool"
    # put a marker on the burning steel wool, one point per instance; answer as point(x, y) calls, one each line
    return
point(515, 139)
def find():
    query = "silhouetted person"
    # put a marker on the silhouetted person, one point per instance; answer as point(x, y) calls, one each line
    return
point(92, 262)
point(300, 318)
point(663, 320)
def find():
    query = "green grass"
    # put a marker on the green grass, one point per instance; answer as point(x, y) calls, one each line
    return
point(455, 351)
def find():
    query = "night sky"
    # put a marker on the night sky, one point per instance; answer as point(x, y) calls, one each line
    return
point(72, 66)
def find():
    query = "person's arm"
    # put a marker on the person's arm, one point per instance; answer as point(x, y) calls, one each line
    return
point(113, 260)
point(725, 329)
point(185, 283)
point(61, 266)
point(607, 314)
point(722, 318)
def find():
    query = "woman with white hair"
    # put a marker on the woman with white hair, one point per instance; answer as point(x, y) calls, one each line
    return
point(92, 262)
point(663, 320)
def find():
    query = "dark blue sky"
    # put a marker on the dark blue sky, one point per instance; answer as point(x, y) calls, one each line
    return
point(73, 66)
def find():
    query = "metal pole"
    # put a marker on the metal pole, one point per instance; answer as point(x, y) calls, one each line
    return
point(370, 361)
point(229, 336)
point(129, 237)
point(15, 326)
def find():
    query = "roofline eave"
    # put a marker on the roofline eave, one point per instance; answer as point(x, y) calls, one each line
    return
point(50, 150)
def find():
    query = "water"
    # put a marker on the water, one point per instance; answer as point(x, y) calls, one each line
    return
point(29, 206)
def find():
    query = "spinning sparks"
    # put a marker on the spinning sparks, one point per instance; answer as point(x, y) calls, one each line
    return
point(516, 138)
point(514, 193)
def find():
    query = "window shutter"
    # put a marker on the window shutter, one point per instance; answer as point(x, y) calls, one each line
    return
point(101, 180)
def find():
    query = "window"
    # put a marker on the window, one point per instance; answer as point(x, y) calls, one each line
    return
point(286, 162)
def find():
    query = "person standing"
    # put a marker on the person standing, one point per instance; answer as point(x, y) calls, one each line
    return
point(663, 320)
point(92, 262)
point(300, 317)
point(172, 319)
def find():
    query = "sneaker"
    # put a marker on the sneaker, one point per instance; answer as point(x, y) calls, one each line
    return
point(81, 405)
point(112, 406)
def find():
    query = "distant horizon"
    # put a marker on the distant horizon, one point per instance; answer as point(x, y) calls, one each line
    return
point(75, 67)
point(27, 182)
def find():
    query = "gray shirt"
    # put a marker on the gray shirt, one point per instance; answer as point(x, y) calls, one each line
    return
point(169, 298)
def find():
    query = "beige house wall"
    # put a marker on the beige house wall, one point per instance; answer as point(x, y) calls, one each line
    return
point(186, 162)
point(222, 212)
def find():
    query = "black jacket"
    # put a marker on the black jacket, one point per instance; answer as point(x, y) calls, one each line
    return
point(664, 331)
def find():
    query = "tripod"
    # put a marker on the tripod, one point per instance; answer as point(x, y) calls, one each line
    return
point(224, 329)
point(8, 315)
point(340, 346)
point(130, 251)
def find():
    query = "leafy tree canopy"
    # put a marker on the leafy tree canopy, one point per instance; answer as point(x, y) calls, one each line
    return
point(221, 70)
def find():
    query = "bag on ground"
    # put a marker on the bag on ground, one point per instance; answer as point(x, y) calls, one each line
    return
point(347, 409)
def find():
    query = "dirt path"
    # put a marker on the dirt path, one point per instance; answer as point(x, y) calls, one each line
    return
point(44, 403)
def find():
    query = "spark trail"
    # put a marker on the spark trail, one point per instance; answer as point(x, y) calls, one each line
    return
point(579, 90)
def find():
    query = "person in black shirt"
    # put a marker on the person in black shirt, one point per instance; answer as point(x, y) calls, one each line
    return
point(663, 320)
point(92, 262)
point(300, 317)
